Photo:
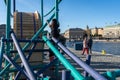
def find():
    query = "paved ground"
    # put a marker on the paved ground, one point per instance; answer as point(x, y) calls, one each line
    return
point(101, 63)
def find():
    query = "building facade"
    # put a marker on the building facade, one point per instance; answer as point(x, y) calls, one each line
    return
point(97, 31)
point(74, 34)
point(112, 31)
point(2, 30)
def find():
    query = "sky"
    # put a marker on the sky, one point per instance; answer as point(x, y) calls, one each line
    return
point(72, 13)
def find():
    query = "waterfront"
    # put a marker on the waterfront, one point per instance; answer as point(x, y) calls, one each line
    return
point(100, 63)
point(109, 47)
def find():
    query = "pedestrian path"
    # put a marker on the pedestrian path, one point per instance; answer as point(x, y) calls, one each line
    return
point(101, 63)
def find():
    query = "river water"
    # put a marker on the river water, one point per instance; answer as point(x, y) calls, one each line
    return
point(109, 47)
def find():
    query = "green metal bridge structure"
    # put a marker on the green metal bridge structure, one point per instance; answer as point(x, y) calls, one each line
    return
point(8, 64)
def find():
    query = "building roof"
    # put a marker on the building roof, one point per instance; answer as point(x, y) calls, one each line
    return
point(111, 26)
point(76, 29)
point(2, 25)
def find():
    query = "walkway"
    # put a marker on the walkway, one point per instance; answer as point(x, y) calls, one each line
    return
point(99, 62)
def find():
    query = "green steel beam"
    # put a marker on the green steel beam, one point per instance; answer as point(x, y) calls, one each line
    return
point(8, 27)
point(42, 19)
point(38, 32)
point(15, 70)
point(11, 76)
point(56, 9)
point(52, 9)
point(74, 72)
point(1, 52)
point(5, 69)
point(27, 44)
point(111, 75)
point(117, 73)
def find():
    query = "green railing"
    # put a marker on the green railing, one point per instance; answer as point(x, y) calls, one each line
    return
point(74, 72)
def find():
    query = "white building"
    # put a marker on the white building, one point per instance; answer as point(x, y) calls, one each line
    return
point(112, 31)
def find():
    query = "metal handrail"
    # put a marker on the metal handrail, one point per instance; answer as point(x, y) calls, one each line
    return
point(91, 71)
point(1, 52)
point(51, 9)
point(23, 59)
point(65, 62)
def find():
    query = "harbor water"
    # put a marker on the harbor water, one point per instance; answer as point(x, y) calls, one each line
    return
point(109, 47)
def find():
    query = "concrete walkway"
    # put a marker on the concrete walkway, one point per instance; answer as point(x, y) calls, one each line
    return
point(101, 63)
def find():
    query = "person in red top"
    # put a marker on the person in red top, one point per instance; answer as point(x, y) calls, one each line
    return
point(85, 45)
